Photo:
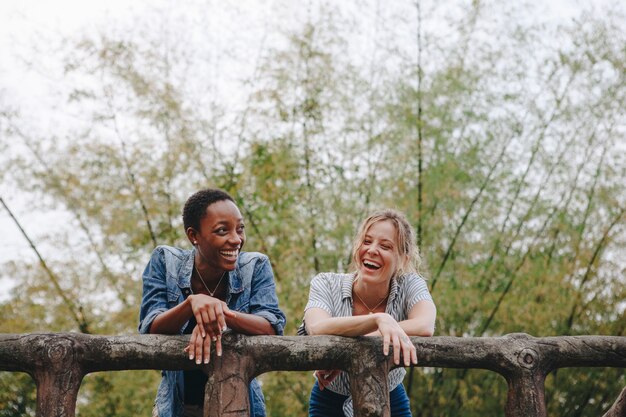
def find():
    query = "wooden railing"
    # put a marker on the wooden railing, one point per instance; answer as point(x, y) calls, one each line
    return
point(59, 361)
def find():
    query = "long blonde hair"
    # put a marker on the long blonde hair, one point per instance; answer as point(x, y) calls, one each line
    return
point(406, 246)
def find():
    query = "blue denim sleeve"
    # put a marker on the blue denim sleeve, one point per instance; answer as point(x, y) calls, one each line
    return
point(154, 300)
point(263, 299)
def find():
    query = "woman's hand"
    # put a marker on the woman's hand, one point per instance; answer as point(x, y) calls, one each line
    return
point(210, 314)
point(324, 378)
point(199, 347)
point(393, 334)
point(318, 321)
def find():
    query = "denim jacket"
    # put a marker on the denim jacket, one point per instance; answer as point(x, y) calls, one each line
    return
point(167, 283)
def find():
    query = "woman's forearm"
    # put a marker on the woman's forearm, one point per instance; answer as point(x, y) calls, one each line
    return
point(344, 326)
point(417, 327)
point(250, 324)
point(421, 321)
point(172, 320)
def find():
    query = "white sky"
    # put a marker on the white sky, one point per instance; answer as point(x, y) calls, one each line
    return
point(22, 20)
point(24, 26)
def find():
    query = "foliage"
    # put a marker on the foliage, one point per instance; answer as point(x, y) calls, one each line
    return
point(505, 149)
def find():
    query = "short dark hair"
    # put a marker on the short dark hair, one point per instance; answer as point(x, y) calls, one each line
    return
point(196, 205)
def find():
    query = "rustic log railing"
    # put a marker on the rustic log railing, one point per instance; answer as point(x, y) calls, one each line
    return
point(59, 361)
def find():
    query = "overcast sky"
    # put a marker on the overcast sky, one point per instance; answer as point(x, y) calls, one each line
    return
point(21, 21)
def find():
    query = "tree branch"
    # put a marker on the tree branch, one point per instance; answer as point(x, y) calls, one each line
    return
point(468, 212)
point(76, 311)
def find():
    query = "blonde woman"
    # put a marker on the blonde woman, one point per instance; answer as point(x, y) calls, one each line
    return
point(383, 296)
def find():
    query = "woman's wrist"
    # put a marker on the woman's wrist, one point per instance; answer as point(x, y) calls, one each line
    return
point(230, 321)
point(380, 317)
point(188, 303)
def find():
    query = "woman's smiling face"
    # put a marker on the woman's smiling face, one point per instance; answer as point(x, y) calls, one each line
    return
point(378, 258)
point(221, 235)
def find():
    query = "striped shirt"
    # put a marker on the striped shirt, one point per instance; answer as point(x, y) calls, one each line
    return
point(332, 293)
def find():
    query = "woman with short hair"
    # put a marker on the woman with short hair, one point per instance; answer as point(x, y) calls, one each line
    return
point(204, 291)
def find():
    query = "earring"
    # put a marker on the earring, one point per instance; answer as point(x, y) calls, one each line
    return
point(195, 242)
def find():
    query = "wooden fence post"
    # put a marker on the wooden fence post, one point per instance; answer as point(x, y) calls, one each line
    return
point(227, 389)
point(369, 384)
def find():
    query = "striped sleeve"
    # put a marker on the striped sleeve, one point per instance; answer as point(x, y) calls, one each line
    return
point(415, 290)
point(321, 293)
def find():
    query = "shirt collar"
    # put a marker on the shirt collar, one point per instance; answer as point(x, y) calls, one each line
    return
point(346, 286)
point(348, 281)
point(234, 281)
point(186, 269)
point(393, 291)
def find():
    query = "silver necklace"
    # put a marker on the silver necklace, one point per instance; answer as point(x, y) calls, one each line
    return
point(204, 283)
point(371, 310)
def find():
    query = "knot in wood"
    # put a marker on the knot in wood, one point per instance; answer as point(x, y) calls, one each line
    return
point(528, 358)
point(59, 351)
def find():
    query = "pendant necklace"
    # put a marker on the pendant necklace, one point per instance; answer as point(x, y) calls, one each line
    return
point(371, 310)
point(204, 283)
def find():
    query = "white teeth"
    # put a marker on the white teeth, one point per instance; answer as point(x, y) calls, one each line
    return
point(229, 252)
point(372, 264)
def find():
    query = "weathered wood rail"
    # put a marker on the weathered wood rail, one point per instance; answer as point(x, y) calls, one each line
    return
point(59, 361)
